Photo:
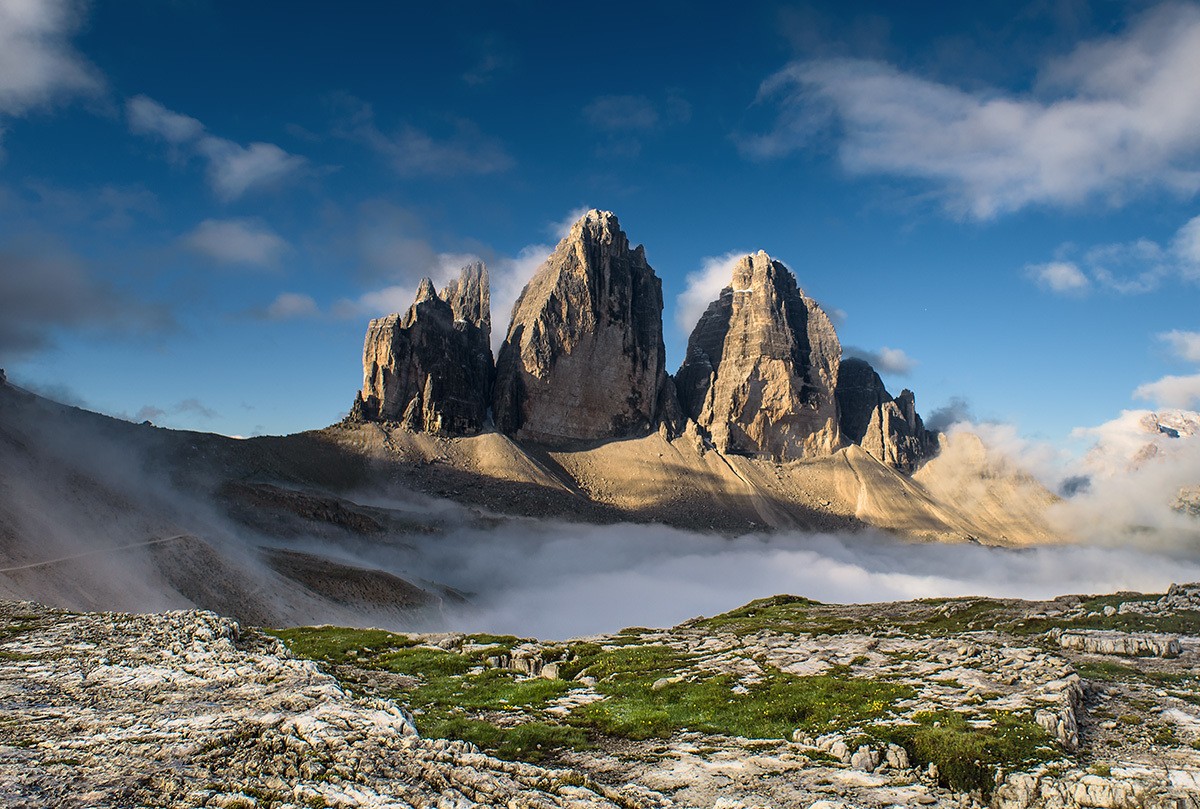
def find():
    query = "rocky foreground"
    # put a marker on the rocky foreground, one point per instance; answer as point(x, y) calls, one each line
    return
point(1076, 702)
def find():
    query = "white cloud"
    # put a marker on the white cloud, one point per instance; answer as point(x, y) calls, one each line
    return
point(291, 305)
point(396, 298)
point(237, 241)
point(1172, 391)
point(562, 227)
point(1059, 276)
point(1186, 248)
point(703, 286)
point(1127, 268)
point(38, 66)
point(508, 279)
point(1184, 344)
point(233, 169)
point(147, 117)
point(1114, 117)
point(886, 360)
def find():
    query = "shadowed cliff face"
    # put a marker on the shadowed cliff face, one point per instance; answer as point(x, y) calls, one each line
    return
point(889, 429)
point(584, 358)
point(431, 369)
point(762, 366)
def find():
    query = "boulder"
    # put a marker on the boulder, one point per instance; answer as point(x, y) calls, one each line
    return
point(584, 358)
point(762, 366)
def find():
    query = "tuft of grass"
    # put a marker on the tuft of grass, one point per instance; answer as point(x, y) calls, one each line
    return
point(770, 709)
point(333, 644)
point(1105, 671)
point(529, 741)
point(967, 757)
point(781, 613)
point(1182, 622)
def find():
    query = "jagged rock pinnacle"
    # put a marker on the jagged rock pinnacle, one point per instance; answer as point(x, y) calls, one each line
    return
point(762, 366)
point(584, 356)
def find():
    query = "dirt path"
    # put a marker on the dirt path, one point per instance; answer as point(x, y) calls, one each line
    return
point(158, 541)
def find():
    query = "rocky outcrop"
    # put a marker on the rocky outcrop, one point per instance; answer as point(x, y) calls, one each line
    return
point(189, 709)
point(431, 368)
point(762, 367)
point(889, 429)
point(1124, 644)
point(584, 356)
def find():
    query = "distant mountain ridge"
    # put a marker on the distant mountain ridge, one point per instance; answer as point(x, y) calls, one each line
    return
point(584, 360)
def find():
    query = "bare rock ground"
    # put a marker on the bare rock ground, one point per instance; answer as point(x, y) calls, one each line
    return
point(784, 702)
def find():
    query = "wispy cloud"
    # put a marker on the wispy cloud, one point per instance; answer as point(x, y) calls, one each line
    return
point(890, 361)
point(191, 406)
point(1184, 344)
point(1113, 118)
point(495, 58)
point(624, 121)
point(291, 306)
point(38, 65)
point(703, 286)
point(1126, 268)
point(412, 152)
point(247, 242)
point(232, 169)
point(622, 112)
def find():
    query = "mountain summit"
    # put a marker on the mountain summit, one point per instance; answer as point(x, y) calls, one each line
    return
point(584, 356)
point(762, 366)
point(431, 368)
point(584, 361)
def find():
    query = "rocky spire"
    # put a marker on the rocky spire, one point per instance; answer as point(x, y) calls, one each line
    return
point(889, 429)
point(431, 369)
point(762, 366)
point(584, 356)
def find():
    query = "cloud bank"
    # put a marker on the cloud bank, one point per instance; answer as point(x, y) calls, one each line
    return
point(1114, 118)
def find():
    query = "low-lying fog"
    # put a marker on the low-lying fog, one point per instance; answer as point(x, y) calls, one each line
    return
point(554, 580)
point(69, 490)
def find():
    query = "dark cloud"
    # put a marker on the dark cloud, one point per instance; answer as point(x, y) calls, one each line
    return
point(887, 361)
point(956, 410)
point(41, 293)
point(190, 406)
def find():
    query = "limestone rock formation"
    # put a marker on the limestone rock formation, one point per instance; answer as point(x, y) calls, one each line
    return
point(762, 367)
point(584, 356)
point(431, 368)
point(889, 429)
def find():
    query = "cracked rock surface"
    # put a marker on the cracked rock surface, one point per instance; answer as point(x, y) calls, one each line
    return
point(186, 709)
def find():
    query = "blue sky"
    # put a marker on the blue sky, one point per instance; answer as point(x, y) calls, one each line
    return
point(202, 203)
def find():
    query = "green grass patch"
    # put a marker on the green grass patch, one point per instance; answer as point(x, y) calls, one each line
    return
point(781, 613)
point(770, 709)
point(530, 741)
point(961, 615)
point(967, 756)
point(333, 644)
point(1105, 671)
point(1183, 622)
